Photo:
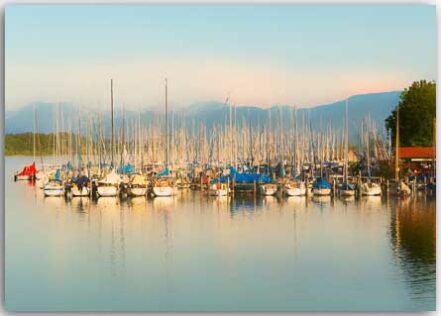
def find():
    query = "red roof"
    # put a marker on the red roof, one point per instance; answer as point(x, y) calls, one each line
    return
point(417, 152)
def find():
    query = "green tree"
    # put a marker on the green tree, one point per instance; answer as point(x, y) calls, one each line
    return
point(417, 112)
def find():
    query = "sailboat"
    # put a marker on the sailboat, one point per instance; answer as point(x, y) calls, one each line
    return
point(218, 188)
point(369, 188)
point(164, 185)
point(108, 186)
point(138, 185)
point(346, 188)
point(55, 186)
point(80, 186)
point(294, 188)
point(268, 189)
point(28, 173)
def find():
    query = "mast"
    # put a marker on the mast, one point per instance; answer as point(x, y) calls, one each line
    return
point(346, 143)
point(166, 125)
point(111, 108)
point(397, 145)
point(35, 129)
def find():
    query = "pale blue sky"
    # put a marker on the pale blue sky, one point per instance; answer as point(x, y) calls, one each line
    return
point(261, 54)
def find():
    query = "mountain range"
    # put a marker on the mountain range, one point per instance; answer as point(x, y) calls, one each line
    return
point(377, 106)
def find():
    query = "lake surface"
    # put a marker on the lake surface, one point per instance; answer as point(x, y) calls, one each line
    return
point(196, 253)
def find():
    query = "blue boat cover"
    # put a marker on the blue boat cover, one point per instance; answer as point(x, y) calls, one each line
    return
point(164, 173)
point(321, 183)
point(69, 166)
point(248, 177)
point(347, 186)
point(81, 181)
point(126, 169)
point(57, 175)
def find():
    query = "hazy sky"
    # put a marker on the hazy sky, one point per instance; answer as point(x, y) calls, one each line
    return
point(259, 55)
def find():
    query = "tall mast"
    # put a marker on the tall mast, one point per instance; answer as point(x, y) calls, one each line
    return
point(346, 143)
point(166, 125)
point(111, 108)
point(35, 130)
point(397, 145)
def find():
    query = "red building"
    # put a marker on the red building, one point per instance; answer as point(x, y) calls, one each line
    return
point(418, 160)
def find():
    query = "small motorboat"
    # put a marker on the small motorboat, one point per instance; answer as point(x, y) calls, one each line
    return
point(401, 188)
point(218, 189)
point(268, 189)
point(346, 189)
point(295, 188)
point(370, 189)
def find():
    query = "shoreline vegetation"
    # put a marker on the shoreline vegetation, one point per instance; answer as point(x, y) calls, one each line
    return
point(21, 144)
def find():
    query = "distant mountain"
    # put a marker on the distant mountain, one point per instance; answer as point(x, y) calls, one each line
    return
point(376, 105)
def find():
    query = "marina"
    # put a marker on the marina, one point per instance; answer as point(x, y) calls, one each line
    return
point(220, 158)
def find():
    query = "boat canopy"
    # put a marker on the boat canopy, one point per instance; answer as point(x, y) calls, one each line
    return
point(243, 177)
point(30, 170)
point(81, 180)
point(347, 186)
point(164, 173)
point(57, 175)
point(321, 183)
point(126, 169)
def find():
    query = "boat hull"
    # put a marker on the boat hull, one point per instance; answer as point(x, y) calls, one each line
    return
point(163, 191)
point(268, 189)
point(295, 191)
point(76, 192)
point(137, 191)
point(343, 192)
point(107, 191)
point(321, 192)
point(53, 191)
point(371, 191)
point(217, 192)
point(23, 177)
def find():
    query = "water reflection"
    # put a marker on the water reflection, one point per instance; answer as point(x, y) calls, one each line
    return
point(413, 237)
point(242, 253)
point(322, 200)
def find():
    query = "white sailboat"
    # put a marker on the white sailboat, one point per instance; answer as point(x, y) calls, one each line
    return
point(165, 186)
point(268, 189)
point(294, 188)
point(108, 186)
point(138, 185)
point(53, 188)
point(218, 189)
point(346, 188)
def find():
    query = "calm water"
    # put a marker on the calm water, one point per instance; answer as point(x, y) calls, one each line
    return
point(192, 253)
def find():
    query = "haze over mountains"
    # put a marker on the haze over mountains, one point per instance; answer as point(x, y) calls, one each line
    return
point(376, 105)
